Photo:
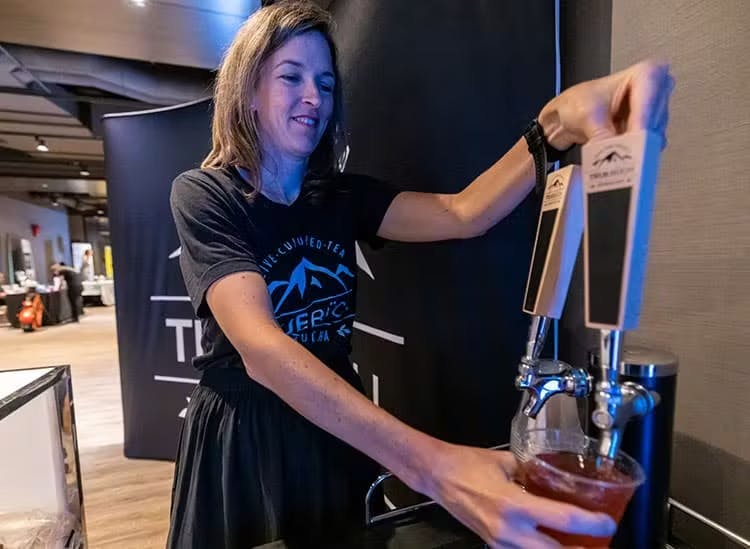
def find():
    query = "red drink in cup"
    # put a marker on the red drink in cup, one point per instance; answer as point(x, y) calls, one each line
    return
point(565, 466)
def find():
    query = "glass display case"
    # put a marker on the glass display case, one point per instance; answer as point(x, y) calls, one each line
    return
point(41, 500)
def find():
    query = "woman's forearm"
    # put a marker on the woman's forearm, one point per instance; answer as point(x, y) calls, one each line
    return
point(498, 190)
point(327, 400)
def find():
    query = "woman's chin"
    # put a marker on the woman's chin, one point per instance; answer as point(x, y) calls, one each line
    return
point(303, 151)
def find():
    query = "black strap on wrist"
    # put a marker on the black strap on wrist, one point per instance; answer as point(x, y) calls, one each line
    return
point(542, 152)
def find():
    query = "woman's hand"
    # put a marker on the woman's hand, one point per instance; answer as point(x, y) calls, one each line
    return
point(475, 485)
point(636, 98)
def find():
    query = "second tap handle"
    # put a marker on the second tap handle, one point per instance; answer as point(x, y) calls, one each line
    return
point(558, 237)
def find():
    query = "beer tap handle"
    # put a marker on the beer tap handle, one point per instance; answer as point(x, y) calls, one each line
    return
point(619, 185)
point(558, 237)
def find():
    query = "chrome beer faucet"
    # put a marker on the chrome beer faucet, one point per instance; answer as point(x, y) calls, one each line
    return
point(619, 176)
point(557, 241)
point(543, 379)
point(616, 403)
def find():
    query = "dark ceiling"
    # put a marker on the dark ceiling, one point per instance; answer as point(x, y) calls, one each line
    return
point(61, 70)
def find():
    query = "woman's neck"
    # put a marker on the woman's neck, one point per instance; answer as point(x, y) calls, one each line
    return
point(281, 180)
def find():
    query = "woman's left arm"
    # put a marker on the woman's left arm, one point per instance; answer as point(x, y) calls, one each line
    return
point(427, 217)
point(636, 98)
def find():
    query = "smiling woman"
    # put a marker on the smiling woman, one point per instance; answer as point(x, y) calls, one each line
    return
point(280, 70)
point(270, 222)
point(293, 104)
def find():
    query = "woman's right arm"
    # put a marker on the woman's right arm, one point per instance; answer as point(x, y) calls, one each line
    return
point(473, 484)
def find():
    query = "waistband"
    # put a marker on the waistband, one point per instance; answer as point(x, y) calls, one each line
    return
point(230, 378)
point(227, 379)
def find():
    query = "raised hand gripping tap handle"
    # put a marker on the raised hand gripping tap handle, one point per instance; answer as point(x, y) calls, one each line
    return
point(619, 183)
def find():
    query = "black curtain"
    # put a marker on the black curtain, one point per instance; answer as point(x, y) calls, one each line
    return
point(435, 93)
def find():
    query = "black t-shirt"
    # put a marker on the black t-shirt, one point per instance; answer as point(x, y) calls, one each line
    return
point(304, 251)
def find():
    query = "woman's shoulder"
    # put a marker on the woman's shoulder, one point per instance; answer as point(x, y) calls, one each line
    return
point(206, 183)
point(197, 177)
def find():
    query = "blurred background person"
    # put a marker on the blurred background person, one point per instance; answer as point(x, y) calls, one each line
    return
point(74, 287)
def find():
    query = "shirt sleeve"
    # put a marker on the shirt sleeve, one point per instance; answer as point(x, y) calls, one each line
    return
point(370, 199)
point(213, 238)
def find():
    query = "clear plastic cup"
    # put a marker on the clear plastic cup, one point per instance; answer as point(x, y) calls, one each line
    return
point(565, 466)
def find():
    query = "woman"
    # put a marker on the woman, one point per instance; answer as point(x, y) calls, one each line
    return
point(279, 440)
point(87, 265)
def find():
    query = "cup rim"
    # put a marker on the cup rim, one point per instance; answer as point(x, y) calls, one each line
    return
point(635, 480)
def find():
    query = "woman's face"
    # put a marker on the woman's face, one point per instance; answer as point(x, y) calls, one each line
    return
point(294, 97)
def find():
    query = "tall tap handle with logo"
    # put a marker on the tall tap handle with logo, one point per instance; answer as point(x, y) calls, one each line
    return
point(558, 237)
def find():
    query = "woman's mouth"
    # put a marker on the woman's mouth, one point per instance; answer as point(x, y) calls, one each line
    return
point(306, 121)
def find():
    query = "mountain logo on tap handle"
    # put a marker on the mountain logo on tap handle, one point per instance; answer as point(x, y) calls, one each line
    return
point(612, 156)
point(612, 166)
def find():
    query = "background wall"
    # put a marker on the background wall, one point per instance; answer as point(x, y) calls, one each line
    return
point(696, 298)
point(16, 218)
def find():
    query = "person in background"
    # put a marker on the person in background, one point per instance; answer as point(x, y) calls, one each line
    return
point(2, 292)
point(75, 288)
point(87, 265)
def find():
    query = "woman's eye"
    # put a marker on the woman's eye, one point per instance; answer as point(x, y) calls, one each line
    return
point(328, 88)
point(290, 77)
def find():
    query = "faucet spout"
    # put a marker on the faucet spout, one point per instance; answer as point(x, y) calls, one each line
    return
point(546, 378)
point(617, 403)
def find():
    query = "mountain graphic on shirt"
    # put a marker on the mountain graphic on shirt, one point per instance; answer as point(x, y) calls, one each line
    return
point(308, 282)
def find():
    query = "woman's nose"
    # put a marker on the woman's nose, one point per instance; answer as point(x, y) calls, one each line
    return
point(312, 94)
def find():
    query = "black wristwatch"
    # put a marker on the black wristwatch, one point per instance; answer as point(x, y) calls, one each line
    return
point(542, 152)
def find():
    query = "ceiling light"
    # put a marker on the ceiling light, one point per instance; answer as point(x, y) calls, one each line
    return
point(99, 212)
point(84, 171)
point(41, 146)
point(139, 3)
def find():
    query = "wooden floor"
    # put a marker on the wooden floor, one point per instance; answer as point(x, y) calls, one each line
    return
point(126, 501)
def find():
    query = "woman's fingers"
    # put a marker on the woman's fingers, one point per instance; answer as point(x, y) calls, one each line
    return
point(568, 518)
point(528, 538)
point(650, 88)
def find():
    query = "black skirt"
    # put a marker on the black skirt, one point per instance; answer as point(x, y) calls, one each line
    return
point(250, 470)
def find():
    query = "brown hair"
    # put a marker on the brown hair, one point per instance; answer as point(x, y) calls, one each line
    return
point(235, 139)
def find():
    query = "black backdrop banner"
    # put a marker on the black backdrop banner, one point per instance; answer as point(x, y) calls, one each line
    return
point(157, 332)
point(436, 92)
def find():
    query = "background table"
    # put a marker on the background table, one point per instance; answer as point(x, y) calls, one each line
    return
point(57, 308)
